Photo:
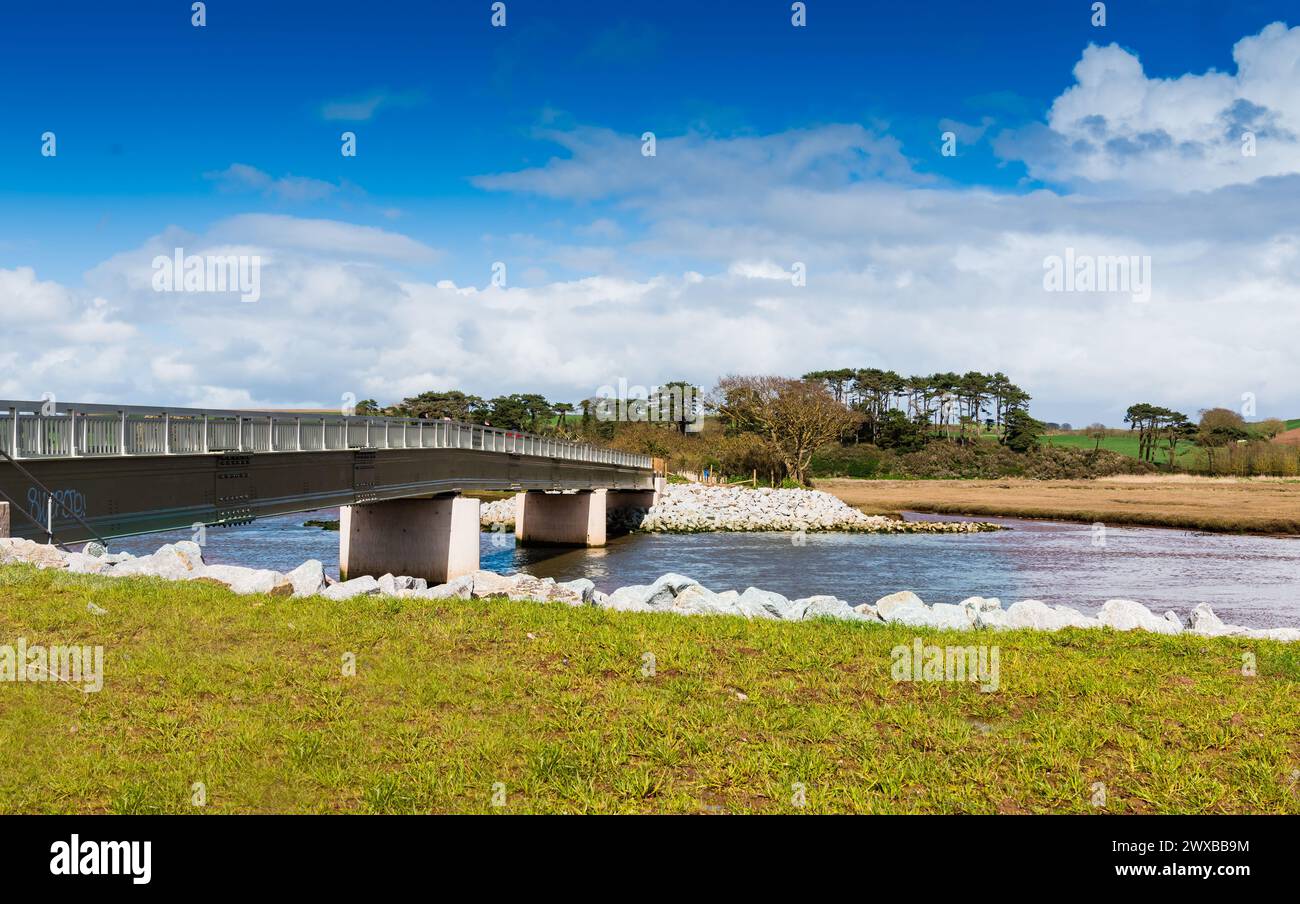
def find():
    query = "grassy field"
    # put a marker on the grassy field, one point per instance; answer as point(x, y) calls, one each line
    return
point(1125, 444)
point(553, 709)
point(1220, 504)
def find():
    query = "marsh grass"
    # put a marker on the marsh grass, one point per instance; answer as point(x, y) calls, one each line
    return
point(554, 707)
point(1214, 504)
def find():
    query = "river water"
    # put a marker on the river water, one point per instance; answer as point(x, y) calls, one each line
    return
point(1253, 581)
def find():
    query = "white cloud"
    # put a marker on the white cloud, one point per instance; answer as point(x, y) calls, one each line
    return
point(1117, 127)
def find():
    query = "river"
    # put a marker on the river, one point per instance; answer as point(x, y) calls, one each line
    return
point(1253, 581)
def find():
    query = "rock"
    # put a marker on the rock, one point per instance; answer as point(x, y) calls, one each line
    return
point(990, 618)
point(696, 600)
point(662, 592)
point(96, 610)
point(388, 585)
point(80, 563)
point(956, 618)
point(527, 587)
point(42, 555)
point(940, 615)
point(174, 562)
point(461, 588)
point(583, 587)
point(689, 508)
point(755, 603)
point(981, 604)
point(869, 611)
point(94, 549)
point(1037, 614)
point(1126, 615)
point(887, 604)
point(1289, 635)
point(825, 607)
point(487, 583)
point(248, 580)
point(308, 579)
point(366, 585)
point(631, 598)
point(1205, 623)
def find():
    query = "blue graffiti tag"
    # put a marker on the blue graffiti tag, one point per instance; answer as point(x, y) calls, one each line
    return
point(67, 503)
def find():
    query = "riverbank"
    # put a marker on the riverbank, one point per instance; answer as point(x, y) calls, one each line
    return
point(669, 593)
point(555, 708)
point(1215, 504)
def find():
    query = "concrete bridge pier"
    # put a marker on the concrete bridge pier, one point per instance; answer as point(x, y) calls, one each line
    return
point(436, 539)
point(630, 499)
point(560, 519)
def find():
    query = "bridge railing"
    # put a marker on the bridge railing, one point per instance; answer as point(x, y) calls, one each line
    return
point(35, 430)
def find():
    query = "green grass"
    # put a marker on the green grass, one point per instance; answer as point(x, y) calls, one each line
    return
point(1125, 445)
point(248, 696)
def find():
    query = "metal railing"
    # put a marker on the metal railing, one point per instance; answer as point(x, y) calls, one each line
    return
point(40, 430)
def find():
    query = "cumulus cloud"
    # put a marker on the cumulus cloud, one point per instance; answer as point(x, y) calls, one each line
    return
point(1117, 127)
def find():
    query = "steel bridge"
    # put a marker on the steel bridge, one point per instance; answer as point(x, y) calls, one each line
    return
point(73, 472)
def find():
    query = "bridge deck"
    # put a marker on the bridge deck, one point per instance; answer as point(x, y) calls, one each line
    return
point(114, 471)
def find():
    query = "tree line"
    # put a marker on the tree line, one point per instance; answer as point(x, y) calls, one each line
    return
point(908, 411)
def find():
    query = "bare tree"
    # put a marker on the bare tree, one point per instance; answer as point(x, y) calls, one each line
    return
point(795, 416)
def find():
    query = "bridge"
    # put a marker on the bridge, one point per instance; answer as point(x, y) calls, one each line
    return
point(73, 472)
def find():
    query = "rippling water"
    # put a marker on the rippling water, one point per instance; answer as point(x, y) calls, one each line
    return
point(1251, 581)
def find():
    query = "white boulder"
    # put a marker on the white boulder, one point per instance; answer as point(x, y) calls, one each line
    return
point(887, 604)
point(366, 585)
point(308, 579)
point(1127, 615)
point(247, 580)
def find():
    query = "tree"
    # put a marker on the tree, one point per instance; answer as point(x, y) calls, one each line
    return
point(536, 409)
point(1175, 427)
point(676, 402)
point(795, 416)
point(1143, 417)
point(1022, 431)
point(508, 412)
point(1099, 432)
point(838, 381)
point(897, 431)
point(1270, 427)
point(1218, 428)
point(563, 409)
point(452, 404)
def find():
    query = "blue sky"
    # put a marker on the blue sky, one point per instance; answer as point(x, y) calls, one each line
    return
point(479, 144)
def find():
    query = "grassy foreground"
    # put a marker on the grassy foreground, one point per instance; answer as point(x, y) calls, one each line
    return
point(550, 708)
